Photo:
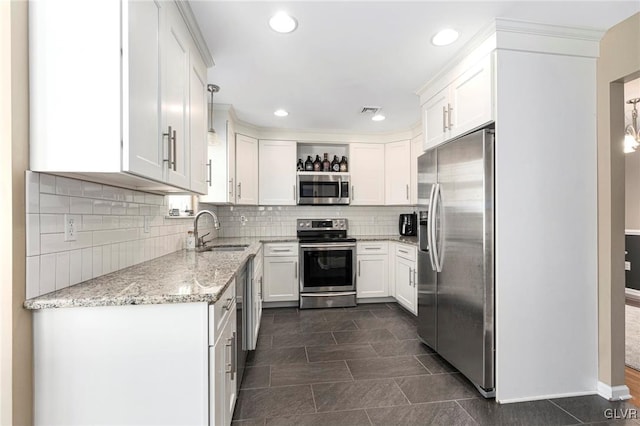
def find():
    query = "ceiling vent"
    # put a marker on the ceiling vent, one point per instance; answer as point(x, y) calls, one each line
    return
point(370, 110)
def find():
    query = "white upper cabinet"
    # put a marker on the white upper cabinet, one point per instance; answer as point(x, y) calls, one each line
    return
point(221, 166)
point(416, 151)
point(397, 173)
point(198, 125)
point(246, 170)
point(367, 174)
point(113, 123)
point(464, 105)
point(277, 172)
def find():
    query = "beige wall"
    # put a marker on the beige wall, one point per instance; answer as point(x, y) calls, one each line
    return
point(632, 164)
point(16, 353)
point(619, 61)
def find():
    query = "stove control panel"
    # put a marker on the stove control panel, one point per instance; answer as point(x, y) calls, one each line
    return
point(322, 224)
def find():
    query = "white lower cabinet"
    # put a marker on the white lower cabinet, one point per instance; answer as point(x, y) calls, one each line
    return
point(372, 278)
point(280, 272)
point(405, 276)
point(223, 374)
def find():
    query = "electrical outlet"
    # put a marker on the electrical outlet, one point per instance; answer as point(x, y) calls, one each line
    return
point(627, 266)
point(70, 228)
point(147, 224)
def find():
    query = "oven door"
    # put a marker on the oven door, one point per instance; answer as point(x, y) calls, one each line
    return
point(327, 267)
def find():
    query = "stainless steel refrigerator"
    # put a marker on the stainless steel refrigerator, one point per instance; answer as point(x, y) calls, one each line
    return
point(456, 255)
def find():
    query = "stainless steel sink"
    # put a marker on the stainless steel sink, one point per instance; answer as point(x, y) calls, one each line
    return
point(235, 247)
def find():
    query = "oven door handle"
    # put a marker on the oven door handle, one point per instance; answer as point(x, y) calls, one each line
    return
point(328, 246)
point(341, 293)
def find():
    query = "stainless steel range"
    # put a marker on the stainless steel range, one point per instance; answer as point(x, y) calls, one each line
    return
point(327, 264)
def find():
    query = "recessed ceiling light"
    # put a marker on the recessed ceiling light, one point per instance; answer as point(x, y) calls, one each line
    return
point(378, 117)
point(445, 37)
point(280, 113)
point(283, 23)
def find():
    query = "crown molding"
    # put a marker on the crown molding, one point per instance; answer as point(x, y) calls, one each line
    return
point(189, 18)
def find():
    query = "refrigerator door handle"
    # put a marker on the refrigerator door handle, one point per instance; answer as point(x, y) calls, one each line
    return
point(435, 207)
point(429, 225)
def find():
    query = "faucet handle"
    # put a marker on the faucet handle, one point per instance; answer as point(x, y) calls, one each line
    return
point(201, 241)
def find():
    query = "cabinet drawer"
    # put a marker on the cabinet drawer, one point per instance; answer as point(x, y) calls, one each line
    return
point(287, 249)
point(374, 247)
point(406, 252)
point(219, 312)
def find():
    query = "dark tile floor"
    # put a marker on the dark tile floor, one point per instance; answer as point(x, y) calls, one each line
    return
point(365, 366)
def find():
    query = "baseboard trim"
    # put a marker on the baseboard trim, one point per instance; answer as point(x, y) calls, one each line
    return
point(613, 393)
point(541, 397)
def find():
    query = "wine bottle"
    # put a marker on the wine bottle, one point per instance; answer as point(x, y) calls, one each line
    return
point(299, 166)
point(344, 166)
point(317, 165)
point(335, 164)
point(326, 164)
point(308, 165)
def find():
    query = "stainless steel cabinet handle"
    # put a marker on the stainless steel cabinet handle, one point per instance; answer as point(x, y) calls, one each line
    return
point(295, 271)
point(444, 119)
point(209, 166)
point(449, 116)
point(168, 135)
point(358, 268)
point(239, 190)
point(353, 192)
point(234, 354)
point(260, 293)
point(410, 279)
point(294, 192)
point(228, 305)
point(415, 277)
point(403, 251)
point(373, 248)
point(407, 191)
point(280, 250)
point(175, 152)
point(228, 366)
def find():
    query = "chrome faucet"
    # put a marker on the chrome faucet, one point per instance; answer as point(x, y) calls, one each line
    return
point(216, 224)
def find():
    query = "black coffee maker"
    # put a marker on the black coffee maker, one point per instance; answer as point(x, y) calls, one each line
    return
point(408, 224)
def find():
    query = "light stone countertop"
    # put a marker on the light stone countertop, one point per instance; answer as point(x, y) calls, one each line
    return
point(181, 277)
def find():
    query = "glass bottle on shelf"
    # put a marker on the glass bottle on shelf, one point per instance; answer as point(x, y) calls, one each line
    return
point(344, 166)
point(326, 164)
point(317, 165)
point(308, 165)
point(299, 166)
point(335, 164)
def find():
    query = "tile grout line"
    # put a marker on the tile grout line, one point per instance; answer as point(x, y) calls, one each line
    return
point(564, 410)
point(416, 357)
point(401, 391)
point(468, 413)
point(313, 397)
point(349, 370)
point(368, 418)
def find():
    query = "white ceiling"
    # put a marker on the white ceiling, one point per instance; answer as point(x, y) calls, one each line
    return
point(349, 54)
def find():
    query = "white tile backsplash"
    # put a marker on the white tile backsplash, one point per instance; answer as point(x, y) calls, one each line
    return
point(109, 230)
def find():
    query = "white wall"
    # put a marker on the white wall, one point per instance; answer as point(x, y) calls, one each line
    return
point(546, 234)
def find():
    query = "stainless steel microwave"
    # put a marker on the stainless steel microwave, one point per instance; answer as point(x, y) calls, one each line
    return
point(323, 188)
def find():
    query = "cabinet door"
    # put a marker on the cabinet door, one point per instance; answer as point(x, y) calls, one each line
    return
point(277, 173)
point(257, 297)
point(472, 98)
point(372, 278)
point(231, 162)
point(199, 168)
point(175, 98)
point(397, 166)
point(218, 358)
point(435, 119)
point(280, 279)
point(367, 174)
point(143, 150)
point(406, 289)
point(230, 385)
point(246, 170)
point(416, 151)
point(222, 156)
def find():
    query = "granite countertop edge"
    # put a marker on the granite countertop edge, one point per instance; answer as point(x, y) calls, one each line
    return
point(149, 283)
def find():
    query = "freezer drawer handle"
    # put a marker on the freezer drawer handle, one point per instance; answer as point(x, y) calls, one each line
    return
point(342, 293)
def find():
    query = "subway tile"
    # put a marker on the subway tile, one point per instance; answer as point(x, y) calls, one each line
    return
point(91, 190)
point(110, 222)
point(115, 257)
point(80, 205)
point(54, 203)
point(75, 267)
point(106, 259)
point(47, 273)
point(118, 208)
point(96, 261)
point(133, 209)
point(138, 197)
point(47, 184)
point(62, 270)
point(87, 264)
point(101, 207)
point(109, 192)
point(32, 192)
point(33, 234)
point(66, 186)
point(51, 243)
point(91, 223)
point(33, 277)
point(51, 223)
